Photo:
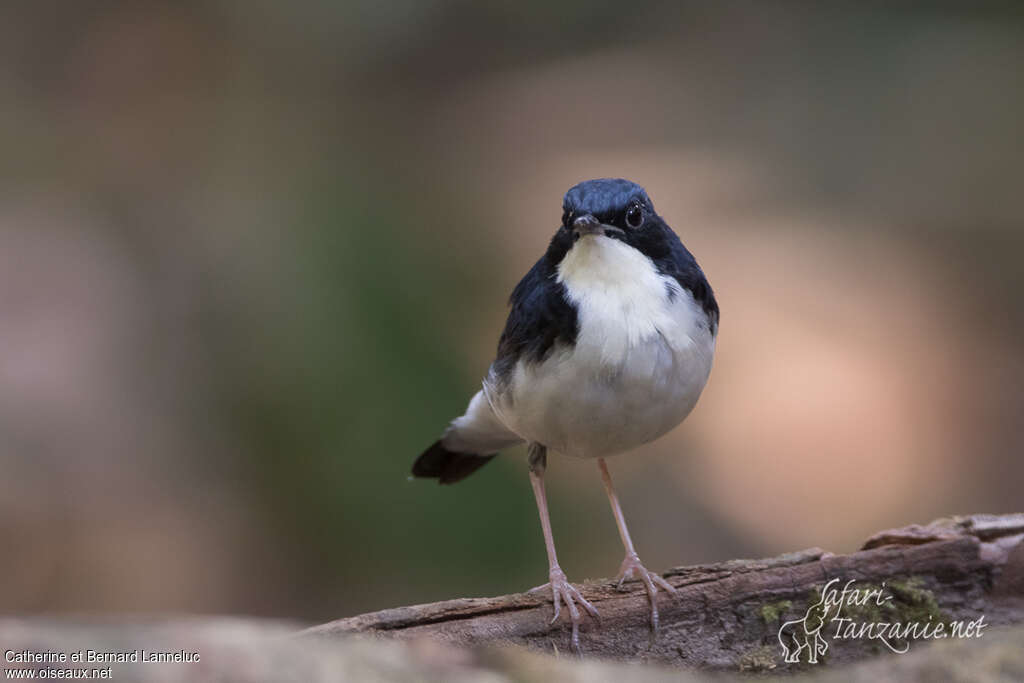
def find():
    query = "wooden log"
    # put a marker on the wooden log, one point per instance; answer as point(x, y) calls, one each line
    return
point(728, 616)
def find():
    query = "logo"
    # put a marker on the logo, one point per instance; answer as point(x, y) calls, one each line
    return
point(869, 613)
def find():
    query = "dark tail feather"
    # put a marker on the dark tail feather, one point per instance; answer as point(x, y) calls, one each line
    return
point(437, 462)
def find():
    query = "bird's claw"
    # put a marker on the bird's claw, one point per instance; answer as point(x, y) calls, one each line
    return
point(564, 592)
point(652, 582)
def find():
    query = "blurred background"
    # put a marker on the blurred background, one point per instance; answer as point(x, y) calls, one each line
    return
point(254, 256)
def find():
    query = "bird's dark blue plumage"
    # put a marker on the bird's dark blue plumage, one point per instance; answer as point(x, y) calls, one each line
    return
point(604, 198)
point(541, 315)
point(681, 265)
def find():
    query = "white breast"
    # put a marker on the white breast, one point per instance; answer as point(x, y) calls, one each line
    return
point(641, 359)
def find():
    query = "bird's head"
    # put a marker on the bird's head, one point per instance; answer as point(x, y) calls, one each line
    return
point(612, 208)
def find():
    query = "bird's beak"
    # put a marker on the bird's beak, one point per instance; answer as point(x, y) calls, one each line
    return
point(587, 225)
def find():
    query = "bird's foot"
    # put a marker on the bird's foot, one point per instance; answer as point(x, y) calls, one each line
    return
point(563, 591)
point(631, 566)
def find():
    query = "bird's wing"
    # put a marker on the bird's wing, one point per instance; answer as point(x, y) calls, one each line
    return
point(540, 315)
point(681, 265)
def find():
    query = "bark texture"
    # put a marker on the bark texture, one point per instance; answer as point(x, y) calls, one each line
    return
point(728, 616)
point(724, 626)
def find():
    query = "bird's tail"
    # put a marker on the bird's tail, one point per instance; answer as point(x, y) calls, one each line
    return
point(448, 467)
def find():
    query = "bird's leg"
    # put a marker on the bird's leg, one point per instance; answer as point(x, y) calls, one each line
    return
point(561, 589)
point(631, 565)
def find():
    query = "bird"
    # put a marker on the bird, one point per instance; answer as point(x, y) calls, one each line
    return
point(608, 345)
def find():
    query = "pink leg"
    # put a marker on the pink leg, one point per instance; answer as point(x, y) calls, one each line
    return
point(561, 589)
point(631, 564)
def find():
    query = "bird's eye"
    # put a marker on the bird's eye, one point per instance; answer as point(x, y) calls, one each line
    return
point(567, 217)
point(634, 216)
